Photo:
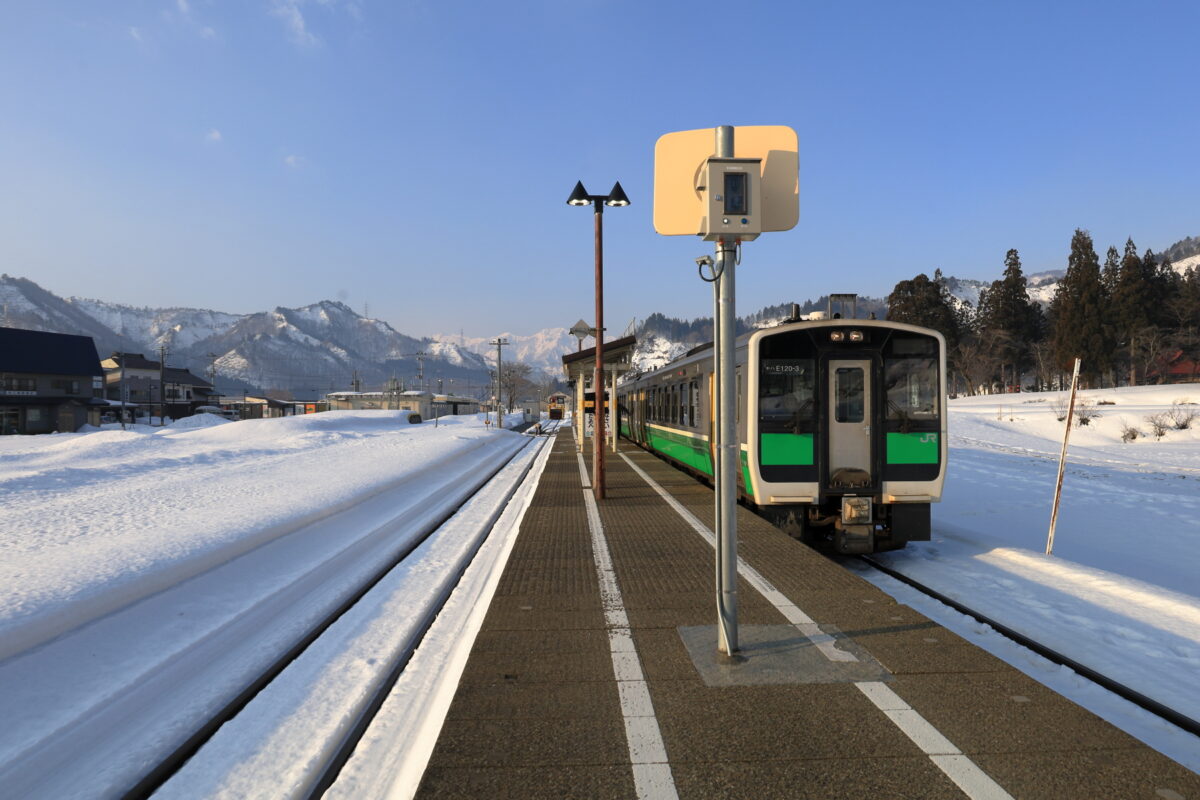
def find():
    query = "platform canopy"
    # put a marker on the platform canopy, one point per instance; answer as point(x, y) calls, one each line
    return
point(618, 358)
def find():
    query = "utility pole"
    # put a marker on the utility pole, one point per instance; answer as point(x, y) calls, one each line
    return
point(355, 382)
point(124, 390)
point(499, 342)
point(162, 386)
point(212, 370)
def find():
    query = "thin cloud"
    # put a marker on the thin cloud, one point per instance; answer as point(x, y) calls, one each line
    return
point(136, 34)
point(213, 135)
point(294, 161)
point(207, 33)
point(293, 22)
point(183, 7)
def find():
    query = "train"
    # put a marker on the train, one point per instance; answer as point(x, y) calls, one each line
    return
point(842, 424)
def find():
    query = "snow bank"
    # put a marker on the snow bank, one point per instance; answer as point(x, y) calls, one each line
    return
point(95, 521)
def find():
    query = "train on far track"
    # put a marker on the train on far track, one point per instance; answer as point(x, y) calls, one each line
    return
point(842, 424)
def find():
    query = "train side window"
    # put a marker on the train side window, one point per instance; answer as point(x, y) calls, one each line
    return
point(693, 391)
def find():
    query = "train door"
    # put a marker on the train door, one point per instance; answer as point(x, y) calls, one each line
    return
point(850, 457)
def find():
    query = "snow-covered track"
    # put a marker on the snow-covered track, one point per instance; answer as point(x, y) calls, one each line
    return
point(169, 669)
point(1116, 687)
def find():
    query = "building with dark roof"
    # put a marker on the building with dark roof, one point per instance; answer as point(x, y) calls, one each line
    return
point(147, 385)
point(49, 382)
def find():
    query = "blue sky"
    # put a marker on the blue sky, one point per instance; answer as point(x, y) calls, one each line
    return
point(416, 156)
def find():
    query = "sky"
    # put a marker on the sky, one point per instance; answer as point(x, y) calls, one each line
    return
point(413, 159)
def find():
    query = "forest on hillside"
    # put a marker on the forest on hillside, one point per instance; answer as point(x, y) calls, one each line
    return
point(1130, 320)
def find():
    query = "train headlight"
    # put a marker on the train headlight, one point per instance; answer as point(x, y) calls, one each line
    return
point(856, 510)
point(856, 336)
point(836, 336)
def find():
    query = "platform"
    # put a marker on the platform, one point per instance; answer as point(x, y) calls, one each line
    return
point(581, 683)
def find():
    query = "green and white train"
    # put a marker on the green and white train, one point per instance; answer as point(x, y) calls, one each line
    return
point(842, 425)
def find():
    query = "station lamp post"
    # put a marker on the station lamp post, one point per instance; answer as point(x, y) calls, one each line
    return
point(580, 197)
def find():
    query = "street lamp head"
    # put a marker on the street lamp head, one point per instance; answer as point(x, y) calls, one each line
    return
point(617, 196)
point(579, 196)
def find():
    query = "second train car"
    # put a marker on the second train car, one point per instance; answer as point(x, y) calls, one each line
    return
point(842, 424)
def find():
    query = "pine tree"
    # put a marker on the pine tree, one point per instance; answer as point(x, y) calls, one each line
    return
point(1079, 308)
point(927, 303)
point(1110, 275)
point(1007, 316)
point(1134, 301)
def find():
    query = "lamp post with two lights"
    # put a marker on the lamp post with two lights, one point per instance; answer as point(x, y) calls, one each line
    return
point(580, 197)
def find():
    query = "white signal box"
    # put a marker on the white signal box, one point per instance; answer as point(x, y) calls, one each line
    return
point(681, 165)
point(732, 193)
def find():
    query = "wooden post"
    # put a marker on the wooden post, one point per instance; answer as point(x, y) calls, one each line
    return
point(1062, 461)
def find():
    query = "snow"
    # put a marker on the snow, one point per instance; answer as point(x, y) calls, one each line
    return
point(157, 567)
point(1120, 593)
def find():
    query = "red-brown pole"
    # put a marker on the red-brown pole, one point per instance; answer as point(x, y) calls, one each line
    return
point(598, 380)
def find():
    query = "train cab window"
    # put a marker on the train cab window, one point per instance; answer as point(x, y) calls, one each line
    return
point(848, 394)
point(787, 391)
point(910, 379)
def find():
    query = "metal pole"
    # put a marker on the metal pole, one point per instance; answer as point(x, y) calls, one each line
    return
point(598, 381)
point(499, 387)
point(729, 447)
point(1062, 461)
point(124, 392)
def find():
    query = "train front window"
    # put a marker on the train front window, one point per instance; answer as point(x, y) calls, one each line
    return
point(787, 391)
point(910, 380)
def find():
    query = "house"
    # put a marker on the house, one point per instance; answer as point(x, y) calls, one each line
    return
point(183, 390)
point(1176, 367)
point(427, 404)
point(49, 382)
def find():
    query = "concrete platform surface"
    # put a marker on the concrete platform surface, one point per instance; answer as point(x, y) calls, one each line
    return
point(581, 683)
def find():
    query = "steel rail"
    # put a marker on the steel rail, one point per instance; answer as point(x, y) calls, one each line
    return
point(167, 767)
point(1121, 690)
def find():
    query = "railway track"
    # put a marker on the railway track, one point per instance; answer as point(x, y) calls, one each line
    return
point(1137, 698)
point(210, 649)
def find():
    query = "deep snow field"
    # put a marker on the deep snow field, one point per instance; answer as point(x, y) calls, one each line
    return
point(1121, 592)
point(96, 520)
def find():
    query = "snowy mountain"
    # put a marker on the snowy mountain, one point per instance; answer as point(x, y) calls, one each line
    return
point(308, 351)
point(543, 351)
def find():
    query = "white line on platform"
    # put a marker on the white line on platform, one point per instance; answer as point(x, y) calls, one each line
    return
point(652, 777)
point(791, 612)
point(974, 782)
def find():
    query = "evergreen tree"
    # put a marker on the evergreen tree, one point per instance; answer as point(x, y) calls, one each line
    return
point(1079, 307)
point(1110, 276)
point(1008, 317)
point(1133, 304)
point(927, 303)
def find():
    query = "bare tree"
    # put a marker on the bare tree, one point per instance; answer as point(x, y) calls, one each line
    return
point(514, 381)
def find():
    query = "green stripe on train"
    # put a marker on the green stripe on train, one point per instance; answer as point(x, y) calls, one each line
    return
point(786, 449)
point(625, 430)
point(684, 448)
point(692, 450)
point(913, 448)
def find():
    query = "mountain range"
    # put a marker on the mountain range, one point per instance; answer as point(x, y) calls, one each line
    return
point(323, 347)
